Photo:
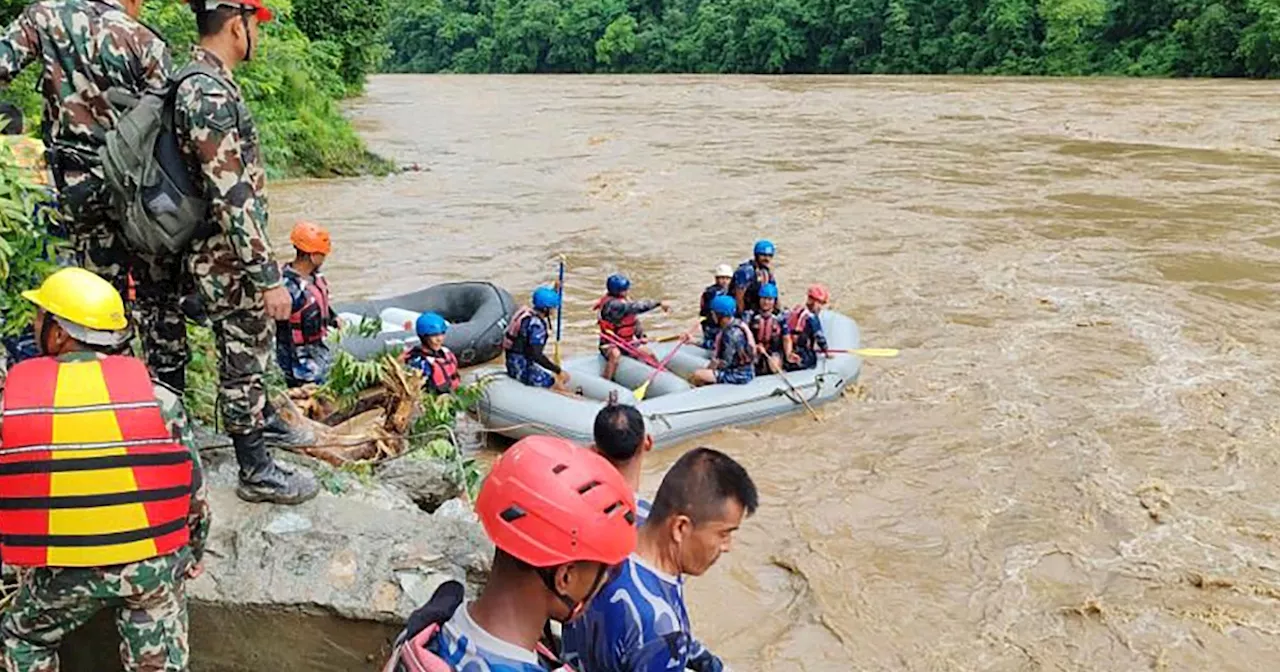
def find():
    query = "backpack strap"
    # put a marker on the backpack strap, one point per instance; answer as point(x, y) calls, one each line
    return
point(188, 71)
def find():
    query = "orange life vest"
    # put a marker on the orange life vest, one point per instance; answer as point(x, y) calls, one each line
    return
point(745, 356)
point(627, 329)
point(90, 475)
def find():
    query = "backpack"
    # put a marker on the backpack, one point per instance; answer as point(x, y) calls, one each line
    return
point(161, 211)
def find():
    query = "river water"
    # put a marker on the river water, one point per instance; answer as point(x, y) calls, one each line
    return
point(1073, 464)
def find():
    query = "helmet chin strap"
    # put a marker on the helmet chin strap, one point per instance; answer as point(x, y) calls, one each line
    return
point(248, 37)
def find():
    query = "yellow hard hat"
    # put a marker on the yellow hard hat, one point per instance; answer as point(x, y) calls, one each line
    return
point(82, 298)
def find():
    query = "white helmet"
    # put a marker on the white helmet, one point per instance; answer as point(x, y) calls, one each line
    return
point(724, 271)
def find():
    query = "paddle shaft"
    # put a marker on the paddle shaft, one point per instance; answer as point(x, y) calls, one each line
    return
point(627, 348)
point(663, 364)
point(559, 310)
point(868, 352)
point(777, 368)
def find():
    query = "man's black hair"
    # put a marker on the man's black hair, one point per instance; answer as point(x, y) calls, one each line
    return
point(619, 432)
point(698, 486)
point(211, 21)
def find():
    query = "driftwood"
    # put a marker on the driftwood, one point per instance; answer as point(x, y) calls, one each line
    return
point(373, 428)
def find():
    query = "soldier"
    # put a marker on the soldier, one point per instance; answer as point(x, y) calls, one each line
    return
point(117, 527)
point(96, 57)
point(237, 278)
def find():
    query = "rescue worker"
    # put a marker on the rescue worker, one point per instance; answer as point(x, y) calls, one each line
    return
point(300, 347)
point(619, 318)
point(436, 362)
point(710, 327)
point(97, 57)
point(238, 280)
point(118, 527)
point(620, 437)
point(767, 327)
point(804, 335)
point(751, 275)
point(733, 356)
point(639, 622)
point(525, 343)
point(560, 517)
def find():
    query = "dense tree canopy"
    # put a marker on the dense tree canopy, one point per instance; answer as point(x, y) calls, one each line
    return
point(1044, 37)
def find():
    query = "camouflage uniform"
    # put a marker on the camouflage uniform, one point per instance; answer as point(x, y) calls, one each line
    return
point(233, 267)
point(86, 48)
point(148, 596)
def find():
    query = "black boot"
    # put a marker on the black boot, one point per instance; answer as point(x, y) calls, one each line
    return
point(281, 434)
point(263, 480)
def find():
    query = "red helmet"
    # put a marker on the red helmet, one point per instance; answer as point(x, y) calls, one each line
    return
point(258, 7)
point(548, 502)
point(819, 293)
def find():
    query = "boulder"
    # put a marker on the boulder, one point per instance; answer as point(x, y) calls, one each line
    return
point(425, 481)
point(320, 586)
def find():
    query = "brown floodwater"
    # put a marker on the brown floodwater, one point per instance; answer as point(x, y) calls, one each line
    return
point(1074, 463)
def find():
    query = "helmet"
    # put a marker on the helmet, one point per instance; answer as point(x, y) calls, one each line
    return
point(724, 271)
point(724, 305)
point(310, 238)
point(430, 324)
point(258, 7)
point(545, 298)
point(819, 293)
point(764, 247)
point(548, 502)
point(87, 306)
point(769, 291)
point(617, 284)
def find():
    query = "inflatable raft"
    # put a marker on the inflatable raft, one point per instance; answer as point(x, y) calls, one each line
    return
point(674, 410)
point(477, 313)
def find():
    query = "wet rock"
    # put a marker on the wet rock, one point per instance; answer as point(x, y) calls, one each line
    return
point(424, 481)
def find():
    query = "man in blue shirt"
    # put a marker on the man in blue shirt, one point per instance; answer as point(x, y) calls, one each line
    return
point(751, 275)
point(734, 355)
point(638, 622)
point(621, 439)
point(803, 337)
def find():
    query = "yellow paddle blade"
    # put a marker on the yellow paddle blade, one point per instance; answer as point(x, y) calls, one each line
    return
point(876, 352)
point(556, 356)
point(640, 391)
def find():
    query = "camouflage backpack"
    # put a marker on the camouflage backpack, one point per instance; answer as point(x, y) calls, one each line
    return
point(161, 210)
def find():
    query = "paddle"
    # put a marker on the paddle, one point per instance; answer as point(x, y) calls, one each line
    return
point(559, 310)
point(870, 352)
point(644, 387)
point(778, 370)
point(612, 339)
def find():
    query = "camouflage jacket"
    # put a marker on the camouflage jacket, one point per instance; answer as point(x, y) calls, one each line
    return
point(175, 417)
point(86, 47)
point(221, 143)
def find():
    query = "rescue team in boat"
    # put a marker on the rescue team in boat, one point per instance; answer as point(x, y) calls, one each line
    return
point(743, 326)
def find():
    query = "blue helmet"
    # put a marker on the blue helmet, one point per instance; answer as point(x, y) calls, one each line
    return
point(724, 305)
point(617, 284)
point(430, 324)
point(769, 291)
point(545, 298)
point(764, 247)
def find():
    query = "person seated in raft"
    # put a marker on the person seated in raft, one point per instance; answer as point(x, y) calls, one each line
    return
point(560, 518)
point(710, 327)
point(639, 622)
point(804, 338)
point(767, 327)
point(733, 355)
point(300, 348)
point(431, 357)
point(620, 437)
point(751, 275)
point(619, 318)
point(525, 342)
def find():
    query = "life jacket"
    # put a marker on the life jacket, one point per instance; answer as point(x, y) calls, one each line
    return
point(513, 339)
point(767, 330)
point(411, 653)
point(798, 326)
point(309, 324)
point(745, 356)
point(627, 329)
point(444, 368)
point(90, 475)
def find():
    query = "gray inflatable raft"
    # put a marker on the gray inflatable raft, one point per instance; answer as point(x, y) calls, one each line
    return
point(674, 410)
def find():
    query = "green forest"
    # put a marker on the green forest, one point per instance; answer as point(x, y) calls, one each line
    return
point(1161, 38)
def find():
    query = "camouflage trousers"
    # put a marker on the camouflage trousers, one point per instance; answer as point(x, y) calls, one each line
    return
point(241, 329)
point(151, 613)
point(100, 247)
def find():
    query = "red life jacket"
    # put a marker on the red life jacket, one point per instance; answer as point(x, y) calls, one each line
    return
point(512, 340)
point(90, 475)
point(767, 329)
point(310, 323)
point(798, 326)
point(745, 356)
point(627, 329)
point(444, 369)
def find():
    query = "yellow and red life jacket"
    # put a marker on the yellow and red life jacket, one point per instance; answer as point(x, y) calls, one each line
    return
point(90, 475)
point(627, 329)
point(745, 356)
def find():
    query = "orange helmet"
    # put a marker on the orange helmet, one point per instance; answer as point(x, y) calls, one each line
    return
point(819, 293)
point(310, 238)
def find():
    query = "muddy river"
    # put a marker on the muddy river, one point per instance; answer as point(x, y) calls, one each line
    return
point(1074, 463)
